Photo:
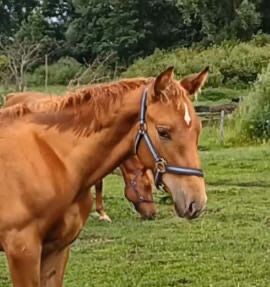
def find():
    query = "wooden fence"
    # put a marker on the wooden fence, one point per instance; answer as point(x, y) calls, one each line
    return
point(209, 114)
point(216, 115)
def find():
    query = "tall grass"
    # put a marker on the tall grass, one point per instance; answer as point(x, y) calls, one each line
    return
point(252, 119)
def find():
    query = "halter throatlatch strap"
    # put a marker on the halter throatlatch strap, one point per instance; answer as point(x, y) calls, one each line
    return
point(161, 165)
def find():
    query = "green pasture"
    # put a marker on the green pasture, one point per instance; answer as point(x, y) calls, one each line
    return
point(228, 247)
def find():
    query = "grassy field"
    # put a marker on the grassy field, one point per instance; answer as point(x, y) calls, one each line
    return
point(217, 96)
point(228, 247)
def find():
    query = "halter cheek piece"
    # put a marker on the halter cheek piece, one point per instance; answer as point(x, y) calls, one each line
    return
point(161, 165)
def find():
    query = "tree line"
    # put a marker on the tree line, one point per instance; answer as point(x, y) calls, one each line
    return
point(129, 28)
point(126, 29)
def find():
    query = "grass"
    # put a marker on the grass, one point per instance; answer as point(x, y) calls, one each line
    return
point(51, 89)
point(227, 247)
point(58, 89)
point(217, 96)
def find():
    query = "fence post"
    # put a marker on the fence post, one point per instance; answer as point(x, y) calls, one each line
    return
point(221, 128)
point(46, 73)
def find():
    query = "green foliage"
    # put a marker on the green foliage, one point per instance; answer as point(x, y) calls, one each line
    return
point(228, 19)
point(247, 22)
point(33, 28)
point(59, 73)
point(131, 28)
point(264, 8)
point(3, 71)
point(54, 14)
point(221, 95)
point(260, 39)
point(134, 27)
point(253, 117)
point(232, 64)
point(3, 62)
point(12, 13)
point(69, 71)
point(63, 71)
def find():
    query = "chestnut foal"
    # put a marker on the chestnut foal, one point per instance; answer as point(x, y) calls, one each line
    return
point(53, 150)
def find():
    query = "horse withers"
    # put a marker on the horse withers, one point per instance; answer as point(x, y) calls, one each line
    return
point(53, 150)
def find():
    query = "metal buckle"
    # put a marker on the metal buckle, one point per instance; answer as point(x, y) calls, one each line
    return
point(142, 127)
point(161, 166)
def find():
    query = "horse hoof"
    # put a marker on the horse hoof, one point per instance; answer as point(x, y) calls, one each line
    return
point(105, 217)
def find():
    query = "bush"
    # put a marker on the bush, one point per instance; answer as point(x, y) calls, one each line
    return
point(68, 71)
point(232, 64)
point(3, 62)
point(59, 73)
point(3, 68)
point(252, 119)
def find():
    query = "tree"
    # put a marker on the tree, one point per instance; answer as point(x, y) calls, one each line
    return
point(265, 13)
point(40, 19)
point(103, 27)
point(247, 20)
point(228, 19)
point(20, 55)
point(12, 13)
point(131, 28)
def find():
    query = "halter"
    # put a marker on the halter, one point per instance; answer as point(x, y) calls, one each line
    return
point(161, 165)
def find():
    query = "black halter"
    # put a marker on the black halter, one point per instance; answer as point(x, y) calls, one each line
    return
point(161, 165)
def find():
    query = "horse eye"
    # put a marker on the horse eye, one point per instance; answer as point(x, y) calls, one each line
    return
point(163, 133)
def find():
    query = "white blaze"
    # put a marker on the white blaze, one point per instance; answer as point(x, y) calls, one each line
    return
point(187, 117)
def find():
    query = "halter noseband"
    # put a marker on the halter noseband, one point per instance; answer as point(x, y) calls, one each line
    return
point(161, 165)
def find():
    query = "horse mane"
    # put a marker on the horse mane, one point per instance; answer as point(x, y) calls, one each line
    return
point(13, 112)
point(177, 94)
point(98, 95)
point(80, 109)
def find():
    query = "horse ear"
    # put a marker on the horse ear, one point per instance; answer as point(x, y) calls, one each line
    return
point(193, 83)
point(163, 80)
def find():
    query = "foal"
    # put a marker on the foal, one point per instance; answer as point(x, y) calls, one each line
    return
point(138, 186)
point(52, 151)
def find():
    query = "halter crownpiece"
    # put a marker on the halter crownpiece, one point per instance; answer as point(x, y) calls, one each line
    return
point(161, 165)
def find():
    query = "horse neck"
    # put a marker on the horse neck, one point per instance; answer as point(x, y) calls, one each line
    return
point(98, 154)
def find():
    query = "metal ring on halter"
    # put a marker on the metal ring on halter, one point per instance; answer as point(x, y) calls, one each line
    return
point(161, 165)
point(143, 127)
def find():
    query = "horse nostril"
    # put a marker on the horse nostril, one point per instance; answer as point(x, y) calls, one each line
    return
point(192, 209)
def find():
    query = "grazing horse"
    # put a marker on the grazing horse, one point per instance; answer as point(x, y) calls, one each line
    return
point(138, 186)
point(53, 150)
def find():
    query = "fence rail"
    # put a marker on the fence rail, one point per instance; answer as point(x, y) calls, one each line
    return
point(216, 114)
point(213, 114)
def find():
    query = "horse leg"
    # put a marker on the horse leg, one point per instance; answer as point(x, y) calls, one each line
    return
point(23, 251)
point(53, 267)
point(99, 202)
